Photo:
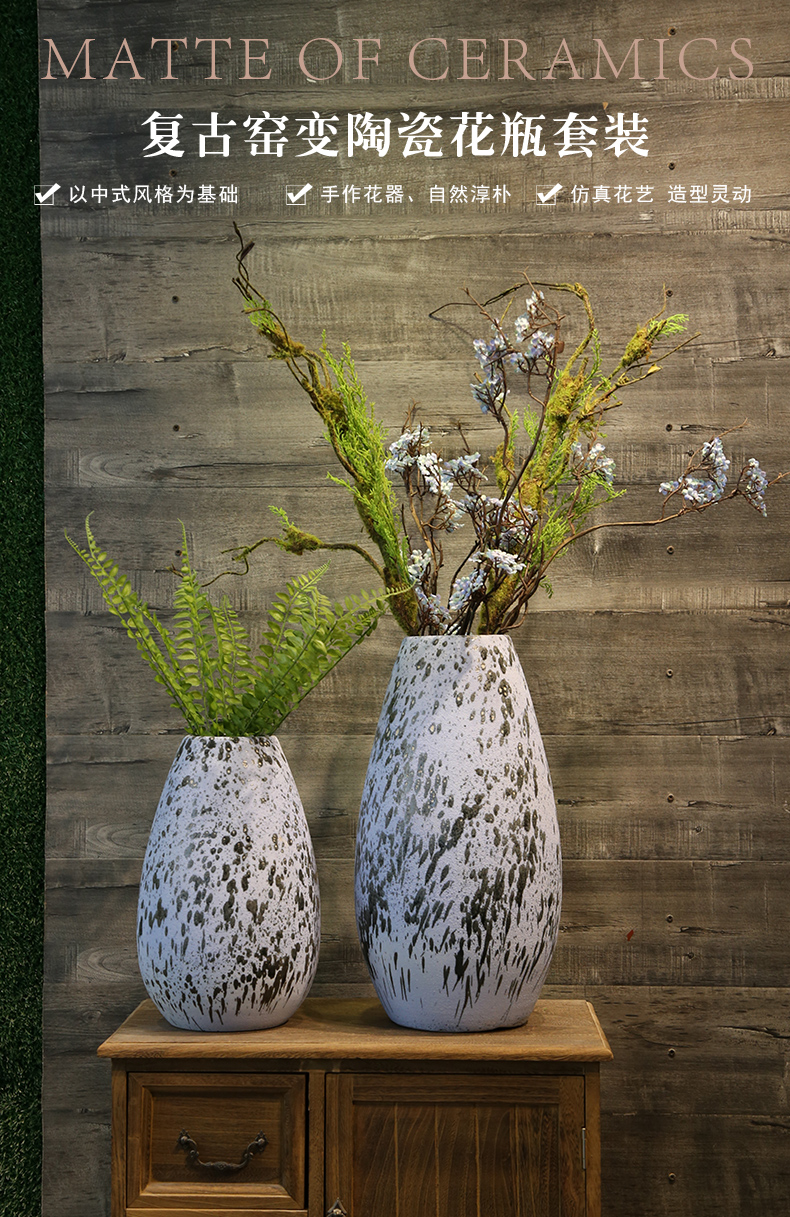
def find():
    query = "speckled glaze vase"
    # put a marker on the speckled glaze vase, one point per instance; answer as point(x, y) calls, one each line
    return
point(228, 921)
point(458, 869)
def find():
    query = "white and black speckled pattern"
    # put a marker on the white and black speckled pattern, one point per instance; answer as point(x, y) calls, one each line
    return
point(229, 921)
point(458, 870)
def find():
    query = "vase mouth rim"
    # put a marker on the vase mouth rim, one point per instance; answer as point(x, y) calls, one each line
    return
point(459, 639)
point(232, 739)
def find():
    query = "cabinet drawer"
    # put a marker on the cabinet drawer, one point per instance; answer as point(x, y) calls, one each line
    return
point(194, 1146)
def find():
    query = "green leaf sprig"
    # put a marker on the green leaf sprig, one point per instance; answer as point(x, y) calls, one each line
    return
point(358, 439)
point(206, 662)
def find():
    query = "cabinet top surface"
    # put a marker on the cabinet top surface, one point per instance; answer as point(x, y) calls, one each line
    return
point(353, 1029)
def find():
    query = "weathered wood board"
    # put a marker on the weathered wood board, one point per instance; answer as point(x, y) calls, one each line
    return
point(660, 667)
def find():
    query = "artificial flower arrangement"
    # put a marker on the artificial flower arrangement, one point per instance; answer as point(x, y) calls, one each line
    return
point(549, 471)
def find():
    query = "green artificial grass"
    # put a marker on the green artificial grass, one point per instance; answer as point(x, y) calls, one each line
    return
point(21, 625)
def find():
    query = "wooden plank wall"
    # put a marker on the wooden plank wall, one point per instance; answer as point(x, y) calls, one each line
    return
point(660, 667)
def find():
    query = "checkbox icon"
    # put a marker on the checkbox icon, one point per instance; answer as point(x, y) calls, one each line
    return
point(44, 196)
point(296, 196)
point(547, 198)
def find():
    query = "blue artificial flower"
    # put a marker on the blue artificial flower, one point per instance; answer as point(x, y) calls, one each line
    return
point(406, 449)
point(489, 393)
point(465, 587)
point(428, 465)
point(712, 455)
point(418, 564)
point(594, 461)
point(463, 466)
point(412, 450)
point(471, 503)
point(431, 608)
point(519, 529)
point(755, 485)
point(454, 516)
point(500, 560)
point(490, 351)
point(523, 324)
point(540, 345)
point(698, 491)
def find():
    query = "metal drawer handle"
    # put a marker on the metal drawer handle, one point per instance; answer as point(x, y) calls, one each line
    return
point(336, 1210)
point(223, 1168)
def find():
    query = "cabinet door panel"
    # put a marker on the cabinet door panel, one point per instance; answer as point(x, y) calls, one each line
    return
point(416, 1146)
point(416, 1139)
point(371, 1160)
point(458, 1132)
point(539, 1170)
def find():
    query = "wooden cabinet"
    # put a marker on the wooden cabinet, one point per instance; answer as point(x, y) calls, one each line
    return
point(341, 1110)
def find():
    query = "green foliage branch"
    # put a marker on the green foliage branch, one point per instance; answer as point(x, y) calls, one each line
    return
point(545, 497)
point(358, 440)
point(206, 662)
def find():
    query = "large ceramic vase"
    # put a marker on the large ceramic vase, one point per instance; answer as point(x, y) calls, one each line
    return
point(458, 869)
point(228, 921)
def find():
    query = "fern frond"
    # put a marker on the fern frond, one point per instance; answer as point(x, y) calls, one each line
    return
point(207, 664)
point(137, 619)
point(319, 636)
point(290, 605)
